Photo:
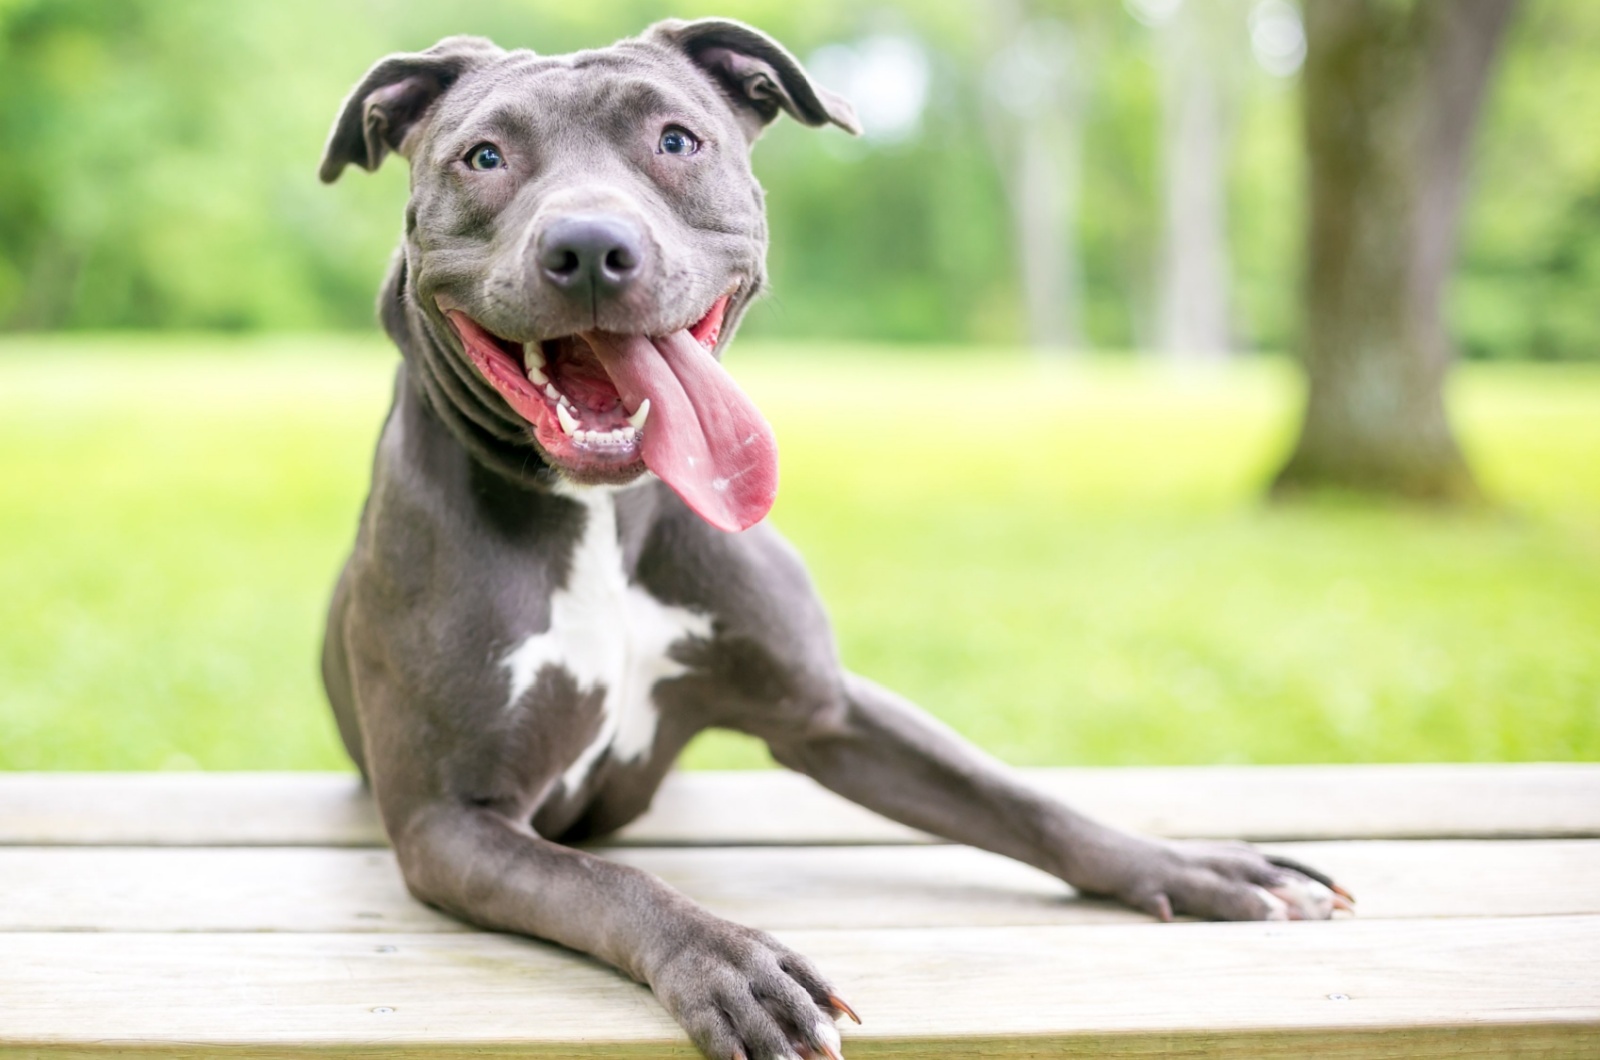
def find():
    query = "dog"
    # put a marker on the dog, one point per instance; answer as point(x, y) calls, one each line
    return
point(562, 572)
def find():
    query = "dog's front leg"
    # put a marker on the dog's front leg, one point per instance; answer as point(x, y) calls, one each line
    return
point(737, 992)
point(891, 757)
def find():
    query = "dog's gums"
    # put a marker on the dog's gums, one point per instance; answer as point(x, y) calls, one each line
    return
point(604, 407)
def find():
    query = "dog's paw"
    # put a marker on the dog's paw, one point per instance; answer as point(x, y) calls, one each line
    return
point(742, 995)
point(1229, 881)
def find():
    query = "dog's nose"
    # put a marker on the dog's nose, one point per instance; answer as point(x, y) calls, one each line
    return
point(606, 251)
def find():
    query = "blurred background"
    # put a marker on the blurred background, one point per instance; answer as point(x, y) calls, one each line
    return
point(1156, 381)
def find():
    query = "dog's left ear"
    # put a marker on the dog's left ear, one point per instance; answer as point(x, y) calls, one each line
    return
point(758, 75)
point(392, 99)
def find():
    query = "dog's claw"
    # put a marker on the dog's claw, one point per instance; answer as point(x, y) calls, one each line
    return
point(1159, 906)
point(1341, 892)
point(838, 1003)
point(1341, 901)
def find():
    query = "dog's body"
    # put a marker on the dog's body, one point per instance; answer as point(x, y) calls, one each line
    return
point(530, 628)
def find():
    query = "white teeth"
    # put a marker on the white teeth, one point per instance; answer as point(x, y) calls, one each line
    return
point(638, 418)
point(553, 394)
point(618, 438)
point(533, 364)
point(569, 422)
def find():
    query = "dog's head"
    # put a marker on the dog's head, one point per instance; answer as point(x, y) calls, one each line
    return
point(584, 233)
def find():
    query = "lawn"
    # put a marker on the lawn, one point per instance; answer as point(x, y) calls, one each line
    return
point(1068, 563)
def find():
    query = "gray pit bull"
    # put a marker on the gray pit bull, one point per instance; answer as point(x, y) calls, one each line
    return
point(562, 573)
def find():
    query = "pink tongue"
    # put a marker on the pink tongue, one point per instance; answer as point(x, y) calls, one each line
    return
point(703, 437)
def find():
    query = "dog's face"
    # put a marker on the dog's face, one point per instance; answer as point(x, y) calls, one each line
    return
point(584, 233)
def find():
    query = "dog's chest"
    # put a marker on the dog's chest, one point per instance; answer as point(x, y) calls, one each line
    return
point(611, 637)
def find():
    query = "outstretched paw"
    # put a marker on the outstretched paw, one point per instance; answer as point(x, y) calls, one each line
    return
point(1229, 881)
point(742, 995)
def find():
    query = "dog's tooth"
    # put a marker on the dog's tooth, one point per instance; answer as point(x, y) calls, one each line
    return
point(533, 364)
point(636, 421)
point(553, 394)
point(569, 422)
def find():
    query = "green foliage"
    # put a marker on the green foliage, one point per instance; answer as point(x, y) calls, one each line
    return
point(1088, 581)
point(157, 170)
point(1530, 276)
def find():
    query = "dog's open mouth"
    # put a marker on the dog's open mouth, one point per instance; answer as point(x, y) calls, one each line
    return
point(600, 404)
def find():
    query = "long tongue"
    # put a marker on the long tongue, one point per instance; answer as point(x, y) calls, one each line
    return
point(703, 436)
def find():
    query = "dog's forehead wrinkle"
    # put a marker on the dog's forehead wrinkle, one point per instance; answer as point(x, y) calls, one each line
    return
point(635, 97)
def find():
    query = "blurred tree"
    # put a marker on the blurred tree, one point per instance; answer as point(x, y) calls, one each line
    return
point(1199, 47)
point(1392, 91)
point(1035, 87)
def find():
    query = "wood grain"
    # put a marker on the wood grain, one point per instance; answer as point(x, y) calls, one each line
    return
point(1487, 987)
point(332, 890)
point(768, 808)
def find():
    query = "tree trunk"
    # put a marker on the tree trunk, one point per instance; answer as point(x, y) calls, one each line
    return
point(1199, 48)
point(1043, 207)
point(1035, 123)
point(1392, 91)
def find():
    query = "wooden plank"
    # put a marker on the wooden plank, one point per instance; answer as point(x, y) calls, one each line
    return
point(1560, 800)
point(1345, 989)
point(187, 809)
point(1251, 802)
point(328, 890)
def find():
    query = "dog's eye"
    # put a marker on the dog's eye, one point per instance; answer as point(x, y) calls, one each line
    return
point(485, 156)
point(676, 141)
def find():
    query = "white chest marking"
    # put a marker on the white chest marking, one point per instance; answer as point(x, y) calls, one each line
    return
point(607, 634)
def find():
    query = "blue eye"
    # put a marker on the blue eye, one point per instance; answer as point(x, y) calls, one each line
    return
point(485, 156)
point(676, 141)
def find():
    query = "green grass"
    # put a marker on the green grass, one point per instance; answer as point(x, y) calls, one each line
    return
point(1068, 564)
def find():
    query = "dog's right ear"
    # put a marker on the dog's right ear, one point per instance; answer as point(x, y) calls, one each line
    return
point(393, 97)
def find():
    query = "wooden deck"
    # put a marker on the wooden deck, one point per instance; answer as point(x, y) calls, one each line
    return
point(260, 915)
